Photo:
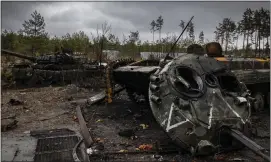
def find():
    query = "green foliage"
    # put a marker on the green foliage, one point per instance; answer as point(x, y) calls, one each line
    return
point(34, 26)
point(254, 28)
point(191, 31)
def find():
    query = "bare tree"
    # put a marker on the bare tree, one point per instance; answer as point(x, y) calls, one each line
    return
point(100, 38)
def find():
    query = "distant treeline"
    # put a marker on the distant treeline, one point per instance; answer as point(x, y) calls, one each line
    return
point(33, 39)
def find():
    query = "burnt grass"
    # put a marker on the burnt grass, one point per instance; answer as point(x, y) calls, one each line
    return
point(109, 123)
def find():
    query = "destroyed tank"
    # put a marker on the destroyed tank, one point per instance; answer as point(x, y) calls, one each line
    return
point(197, 100)
point(60, 68)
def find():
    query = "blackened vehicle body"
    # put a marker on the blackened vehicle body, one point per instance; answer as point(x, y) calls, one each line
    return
point(195, 99)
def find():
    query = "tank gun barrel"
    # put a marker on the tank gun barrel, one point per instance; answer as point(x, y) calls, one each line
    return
point(248, 143)
point(7, 52)
point(172, 47)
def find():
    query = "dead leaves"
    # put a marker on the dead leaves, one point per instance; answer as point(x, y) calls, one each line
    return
point(99, 140)
point(145, 147)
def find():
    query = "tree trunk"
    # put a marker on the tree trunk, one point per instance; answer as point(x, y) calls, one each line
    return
point(256, 43)
point(263, 45)
point(222, 40)
point(101, 54)
point(160, 40)
point(244, 40)
point(152, 41)
point(247, 40)
point(226, 43)
point(237, 41)
point(267, 49)
point(259, 42)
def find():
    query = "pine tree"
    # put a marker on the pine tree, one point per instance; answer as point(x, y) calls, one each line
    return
point(248, 25)
point(35, 28)
point(201, 37)
point(191, 31)
point(153, 29)
point(228, 28)
point(159, 24)
point(182, 24)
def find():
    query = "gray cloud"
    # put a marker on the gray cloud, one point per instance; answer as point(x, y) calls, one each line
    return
point(68, 17)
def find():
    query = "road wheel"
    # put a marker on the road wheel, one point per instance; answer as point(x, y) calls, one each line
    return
point(258, 105)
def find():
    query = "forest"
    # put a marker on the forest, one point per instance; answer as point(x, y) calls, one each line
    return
point(253, 31)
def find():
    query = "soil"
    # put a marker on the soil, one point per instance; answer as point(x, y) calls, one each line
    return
point(50, 108)
point(42, 108)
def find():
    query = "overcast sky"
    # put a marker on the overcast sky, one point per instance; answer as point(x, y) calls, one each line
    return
point(68, 17)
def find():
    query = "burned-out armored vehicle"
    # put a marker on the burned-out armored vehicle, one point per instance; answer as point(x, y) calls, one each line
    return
point(60, 68)
point(196, 99)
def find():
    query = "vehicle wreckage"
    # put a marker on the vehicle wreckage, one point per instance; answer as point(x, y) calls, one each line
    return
point(60, 68)
point(196, 100)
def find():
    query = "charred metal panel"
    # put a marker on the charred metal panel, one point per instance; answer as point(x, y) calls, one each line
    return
point(134, 77)
point(253, 76)
point(146, 63)
point(197, 95)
